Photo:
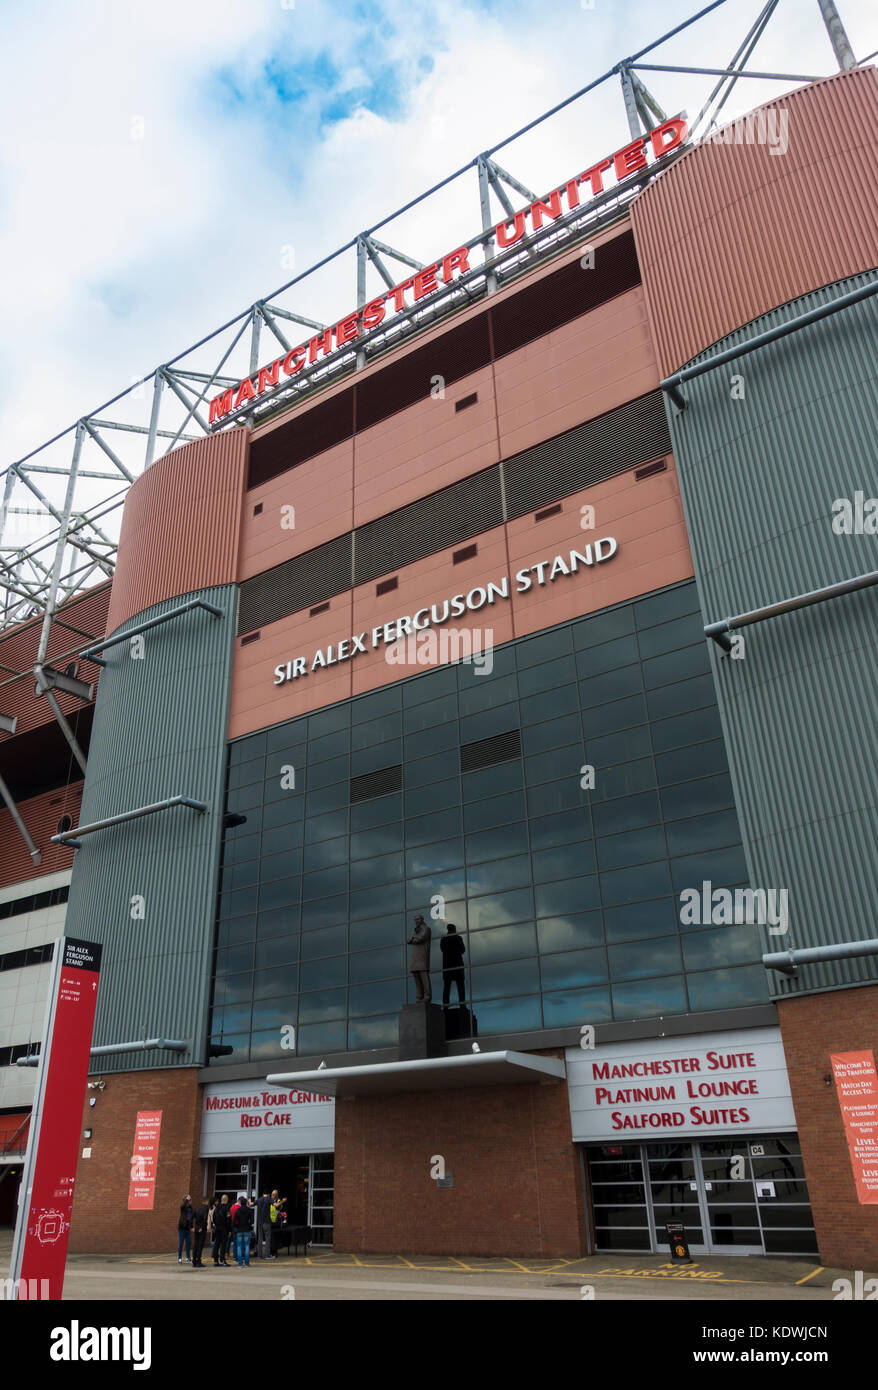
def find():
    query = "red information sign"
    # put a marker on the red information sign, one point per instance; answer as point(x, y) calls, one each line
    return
point(144, 1160)
point(40, 1248)
point(857, 1084)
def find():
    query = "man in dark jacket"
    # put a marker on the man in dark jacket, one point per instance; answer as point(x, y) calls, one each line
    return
point(419, 960)
point(222, 1225)
point(242, 1224)
point(452, 949)
point(263, 1227)
point(200, 1226)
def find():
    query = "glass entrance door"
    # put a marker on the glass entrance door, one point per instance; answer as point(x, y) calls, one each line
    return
point(674, 1193)
point(729, 1198)
point(736, 1196)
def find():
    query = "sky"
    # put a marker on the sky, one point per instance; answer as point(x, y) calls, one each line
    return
point(164, 165)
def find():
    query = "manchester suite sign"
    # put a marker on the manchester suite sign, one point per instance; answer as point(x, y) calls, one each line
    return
point(709, 1083)
point(619, 166)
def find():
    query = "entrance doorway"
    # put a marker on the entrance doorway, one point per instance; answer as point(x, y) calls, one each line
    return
point(734, 1196)
point(305, 1180)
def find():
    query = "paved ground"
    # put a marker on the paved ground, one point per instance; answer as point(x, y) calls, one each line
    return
point(331, 1275)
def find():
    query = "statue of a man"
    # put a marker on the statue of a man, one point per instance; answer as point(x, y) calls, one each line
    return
point(419, 960)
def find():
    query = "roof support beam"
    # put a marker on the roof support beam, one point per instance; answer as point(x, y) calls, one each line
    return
point(22, 829)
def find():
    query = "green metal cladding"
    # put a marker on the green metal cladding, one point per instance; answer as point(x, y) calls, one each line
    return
point(764, 448)
point(159, 730)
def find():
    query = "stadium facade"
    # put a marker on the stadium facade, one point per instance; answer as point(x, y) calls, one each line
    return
point(433, 641)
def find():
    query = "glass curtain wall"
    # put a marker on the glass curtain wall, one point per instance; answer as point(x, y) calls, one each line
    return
point(467, 791)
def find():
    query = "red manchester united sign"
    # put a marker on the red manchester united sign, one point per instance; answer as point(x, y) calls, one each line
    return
point(615, 167)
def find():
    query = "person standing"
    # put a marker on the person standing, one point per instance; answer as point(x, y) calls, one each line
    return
point(419, 960)
point(263, 1227)
point(452, 949)
point(242, 1224)
point(222, 1225)
point(184, 1227)
point(202, 1212)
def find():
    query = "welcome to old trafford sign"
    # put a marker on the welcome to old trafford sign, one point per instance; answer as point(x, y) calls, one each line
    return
point(619, 166)
point(436, 614)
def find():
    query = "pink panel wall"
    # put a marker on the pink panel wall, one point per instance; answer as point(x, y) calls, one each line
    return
point(579, 371)
point(568, 376)
point(320, 491)
point(424, 448)
point(645, 518)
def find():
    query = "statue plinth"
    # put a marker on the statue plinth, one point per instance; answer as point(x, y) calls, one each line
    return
point(421, 1031)
point(460, 1023)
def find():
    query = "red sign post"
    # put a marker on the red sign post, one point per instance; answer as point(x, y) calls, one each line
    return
point(857, 1084)
point(39, 1250)
point(144, 1160)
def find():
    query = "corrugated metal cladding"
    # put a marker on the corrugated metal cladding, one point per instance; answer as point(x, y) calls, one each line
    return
point(598, 449)
point(192, 499)
point(758, 478)
point(733, 230)
point(159, 731)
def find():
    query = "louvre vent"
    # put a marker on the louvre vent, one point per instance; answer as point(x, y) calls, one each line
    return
point(251, 637)
point(588, 454)
point(466, 401)
point(379, 783)
point(298, 583)
point(649, 470)
point(549, 511)
point(466, 554)
point(387, 586)
point(500, 748)
point(430, 524)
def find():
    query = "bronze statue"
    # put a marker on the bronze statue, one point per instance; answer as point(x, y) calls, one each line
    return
point(419, 960)
point(453, 951)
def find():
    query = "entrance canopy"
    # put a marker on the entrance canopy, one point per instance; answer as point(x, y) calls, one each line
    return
point(427, 1074)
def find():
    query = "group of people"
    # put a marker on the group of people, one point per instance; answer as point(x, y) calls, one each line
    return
point(228, 1226)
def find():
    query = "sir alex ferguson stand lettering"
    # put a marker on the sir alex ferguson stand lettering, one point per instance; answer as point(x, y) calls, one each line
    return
point(42, 1231)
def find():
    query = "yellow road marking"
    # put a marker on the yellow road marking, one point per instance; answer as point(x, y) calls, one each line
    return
point(692, 1274)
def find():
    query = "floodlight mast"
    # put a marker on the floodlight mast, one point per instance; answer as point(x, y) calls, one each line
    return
point(71, 551)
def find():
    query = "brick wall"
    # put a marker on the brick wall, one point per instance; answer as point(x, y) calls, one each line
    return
point(814, 1026)
point(101, 1221)
point(517, 1189)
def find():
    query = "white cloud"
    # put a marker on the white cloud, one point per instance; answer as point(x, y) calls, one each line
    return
point(120, 251)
